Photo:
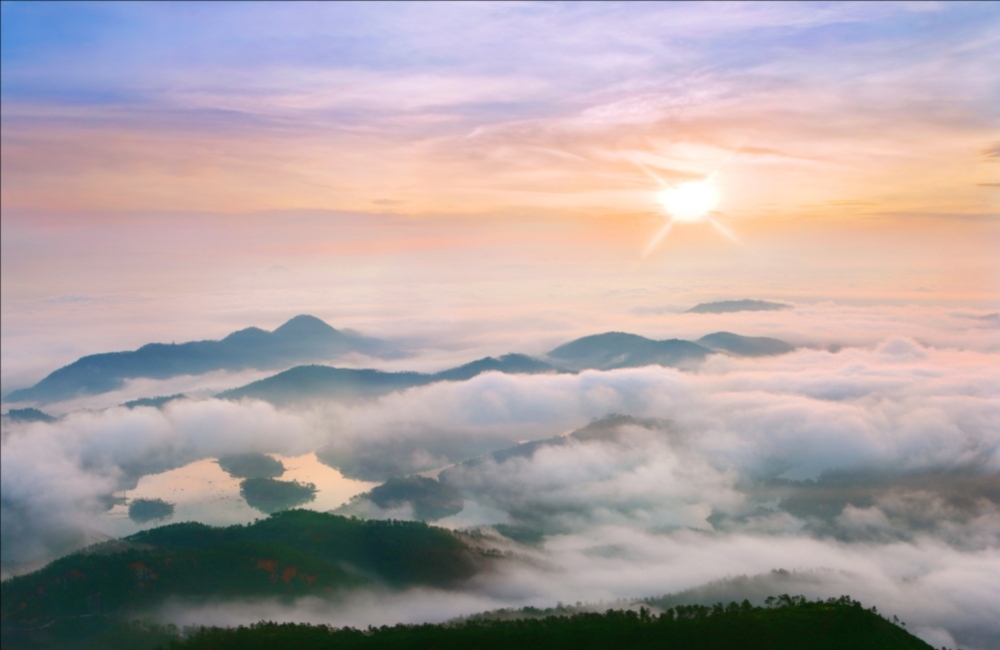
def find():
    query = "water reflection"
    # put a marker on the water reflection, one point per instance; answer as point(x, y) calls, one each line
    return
point(251, 466)
point(203, 492)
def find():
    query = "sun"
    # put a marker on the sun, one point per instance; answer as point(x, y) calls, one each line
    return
point(691, 201)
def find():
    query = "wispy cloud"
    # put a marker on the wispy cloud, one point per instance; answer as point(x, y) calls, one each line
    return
point(383, 101)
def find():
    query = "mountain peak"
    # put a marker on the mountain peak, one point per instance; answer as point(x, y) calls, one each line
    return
point(304, 325)
point(302, 339)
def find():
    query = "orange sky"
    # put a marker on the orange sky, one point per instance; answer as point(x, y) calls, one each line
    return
point(456, 161)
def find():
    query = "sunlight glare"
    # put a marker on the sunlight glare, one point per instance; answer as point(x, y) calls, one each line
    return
point(690, 201)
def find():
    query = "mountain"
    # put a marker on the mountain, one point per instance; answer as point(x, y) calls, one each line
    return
point(28, 415)
point(786, 623)
point(620, 350)
point(727, 306)
point(745, 346)
point(428, 499)
point(507, 479)
point(508, 363)
point(306, 337)
point(290, 554)
point(153, 402)
point(312, 382)
point(303, 338)
point(606, 429)
point(600, 351)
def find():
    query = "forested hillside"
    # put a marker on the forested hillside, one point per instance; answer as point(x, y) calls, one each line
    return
point(290, 554)
point(790, 624)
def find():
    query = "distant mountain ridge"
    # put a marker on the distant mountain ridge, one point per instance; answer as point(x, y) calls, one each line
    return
point(745, 346)
point(608, 351)
point(308, 338)
point(309, 382)
point(620, 350)
point(28, 415)
point(303, 338)
point(728, 306)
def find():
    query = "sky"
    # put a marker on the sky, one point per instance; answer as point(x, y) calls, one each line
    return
point(180, 171)
point(471, 179)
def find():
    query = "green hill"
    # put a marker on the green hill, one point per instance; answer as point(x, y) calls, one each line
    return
point(793, 624)
point(290, 554)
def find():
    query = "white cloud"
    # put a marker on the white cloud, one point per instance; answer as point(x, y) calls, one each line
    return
point(623, 510)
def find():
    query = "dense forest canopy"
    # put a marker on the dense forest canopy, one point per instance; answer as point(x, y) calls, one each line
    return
point(787, 623)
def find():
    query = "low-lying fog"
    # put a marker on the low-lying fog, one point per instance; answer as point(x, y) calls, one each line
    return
point(872, 471)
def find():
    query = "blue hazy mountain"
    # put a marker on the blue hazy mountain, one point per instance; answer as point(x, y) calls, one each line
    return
point(620, 350)
point(745, 346)
point(306, 338)
point(727, 306)
point(28, 415)
point(606, 429)
point(154, 402)
point(311, 382)
point(301, 339)
point(508, 363)
point(599, 352)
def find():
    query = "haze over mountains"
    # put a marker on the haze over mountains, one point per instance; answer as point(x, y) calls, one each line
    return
point(660, 300)
point(312, 382)
point(763, 462)
point(609, 351)
point(28, 415)
point(294, 553)
point(745, 346)
point(303, 338)
point(310, 555)
point(308, 339)
point(620, 350)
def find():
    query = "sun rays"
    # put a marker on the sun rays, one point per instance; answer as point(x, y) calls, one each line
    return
point(691, 201)
point(688, 202)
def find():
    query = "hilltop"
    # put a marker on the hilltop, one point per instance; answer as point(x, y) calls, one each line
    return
point(303, 338)
point(787, 623)
point(289, 554)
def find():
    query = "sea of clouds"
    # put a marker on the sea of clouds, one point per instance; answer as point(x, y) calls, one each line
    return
point(872, 470)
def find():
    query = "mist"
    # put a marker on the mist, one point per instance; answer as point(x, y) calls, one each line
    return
point(379, 168)
point(872, 471)
point(944, 596)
